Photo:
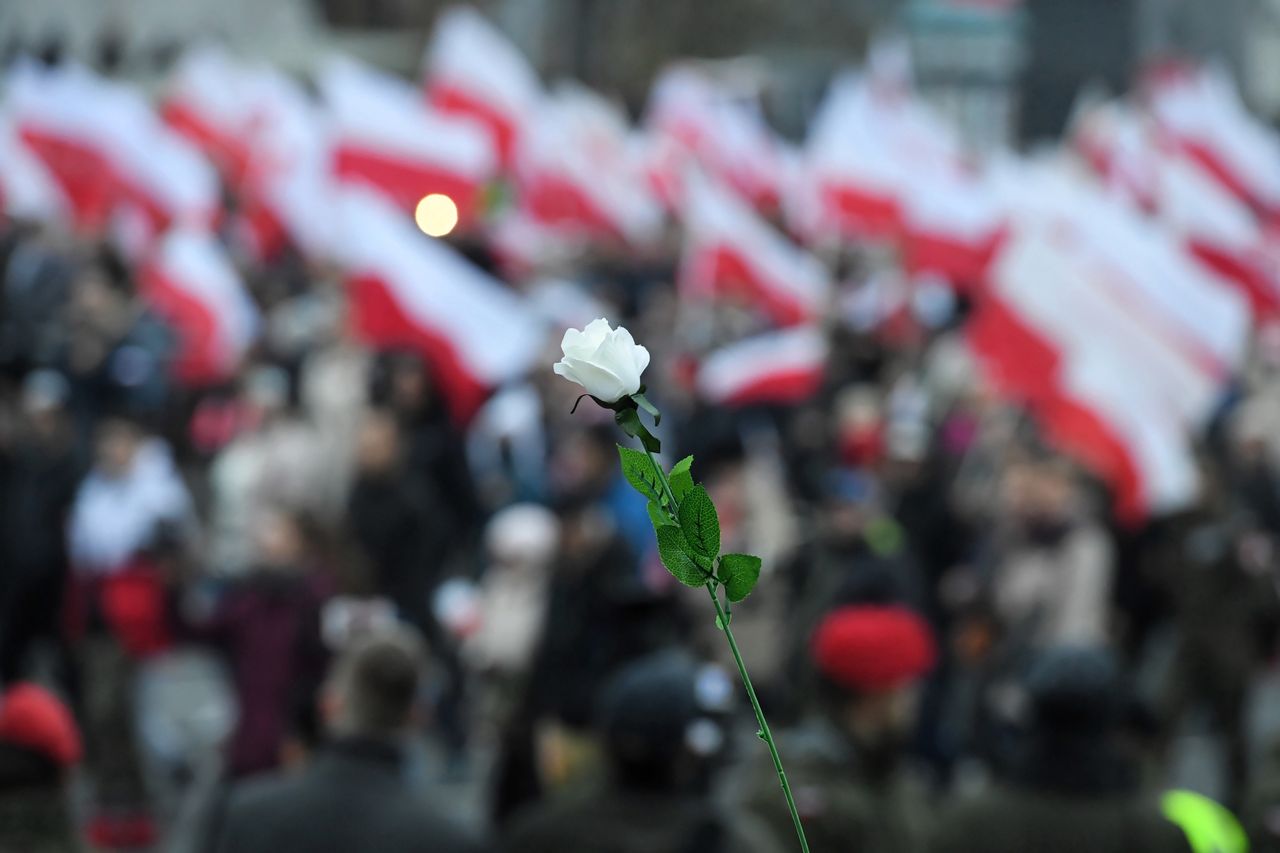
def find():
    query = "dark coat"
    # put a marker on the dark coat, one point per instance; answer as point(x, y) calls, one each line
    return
point(844, 799)
point(1026, 821)
point(616, 821)
point(352, 798)
point(268, 625)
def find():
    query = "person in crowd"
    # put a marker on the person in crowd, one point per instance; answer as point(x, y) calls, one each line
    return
point(39, 748)
point(278, 459)
point(598, 615)
point(268, 624)
point(1052, 566)
point(1261, 811)
point(353, 795)
point(661, 731)
point(38, 476)
point(844, 760)
point(131, 518)
point(1073, 786)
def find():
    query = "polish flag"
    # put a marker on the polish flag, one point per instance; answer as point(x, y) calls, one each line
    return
point(779, 367)
point(189, 281)
point(1199, 112)
point(579, 170)
point(953, 230)
point(724, 134)
point(27, 189)
point(1118, 143)
point(871, 147)
point(109, 151)
point(410, 290)
point(1080, 319)
point(473, 70)
point(210, 100)
point(290, 194)
point(730, 252)
point(1220, 231)
point(389, 140)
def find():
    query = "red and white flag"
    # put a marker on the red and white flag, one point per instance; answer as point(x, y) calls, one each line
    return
point(210, 99)
point(190, 282)
point(27, 189)
point(1119, 342)
point(109, 151)
point(410, 290)
point(1220, 231)
point(1199, 112)
point(954, 229)
point(725, 135)
point(871, 148)
point(579, 170)
point(386, 138)
point(779, 367)
point(731, 253)
point(473, 70)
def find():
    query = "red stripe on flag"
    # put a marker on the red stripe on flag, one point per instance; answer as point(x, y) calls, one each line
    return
point(404, 181)
point(199, 360)
point(453, 100)
point(380, 320)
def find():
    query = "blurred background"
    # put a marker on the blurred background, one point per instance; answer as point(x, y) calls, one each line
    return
point(967, 310)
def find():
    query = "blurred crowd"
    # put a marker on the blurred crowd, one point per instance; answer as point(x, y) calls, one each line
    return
point(315, 607)
point(183, 568)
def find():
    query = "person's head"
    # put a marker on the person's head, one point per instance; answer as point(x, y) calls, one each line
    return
point(849, 502)
point(870, 660)
point(280, 539)
point(378, 449)
point(39, 740)
point(410, 387)
point(373, 688)
point(522, 535)
point(45, 394)
point(1075, 691)
point(659, 719)
point(118, 442)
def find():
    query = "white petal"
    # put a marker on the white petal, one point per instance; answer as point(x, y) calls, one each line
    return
point(641, 356)
point(599, 380)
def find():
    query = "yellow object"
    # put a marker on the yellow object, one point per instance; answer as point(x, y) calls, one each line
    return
point(1210, 828)
point(436, 214)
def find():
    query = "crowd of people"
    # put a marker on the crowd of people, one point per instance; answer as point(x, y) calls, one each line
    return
point(316, 607)
point(946, 605)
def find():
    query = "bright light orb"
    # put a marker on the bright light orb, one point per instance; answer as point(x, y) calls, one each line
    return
point(436, 215)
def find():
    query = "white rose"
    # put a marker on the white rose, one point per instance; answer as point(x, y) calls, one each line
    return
point(606, 362)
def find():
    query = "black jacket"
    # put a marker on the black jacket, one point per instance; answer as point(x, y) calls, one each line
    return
point(352, 798)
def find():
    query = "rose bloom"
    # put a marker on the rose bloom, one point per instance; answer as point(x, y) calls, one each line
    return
point(606, 362)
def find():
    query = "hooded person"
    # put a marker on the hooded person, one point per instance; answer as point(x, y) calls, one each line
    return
point(1072, 785)
point(39, 746)
point(660, 723)
point(844, 758)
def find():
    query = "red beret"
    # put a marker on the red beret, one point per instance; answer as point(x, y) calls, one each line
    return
point(873, 648)
point(32, 717)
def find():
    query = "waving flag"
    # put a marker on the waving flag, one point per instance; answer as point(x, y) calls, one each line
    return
point(473, 70)
point(210, 100)
point(1117, 340)
point(778, 367)
point(725, 135)
point(871, 148)
point(108, 150)
point(388, 139)
point(189, 281)
point(1199, 111)
point(730, 252)
point(27, 189)
point(579, 171)
point(410, 290)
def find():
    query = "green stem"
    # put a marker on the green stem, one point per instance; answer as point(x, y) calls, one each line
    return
point(765, 734)
point(662, 478)
point(723, 618)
